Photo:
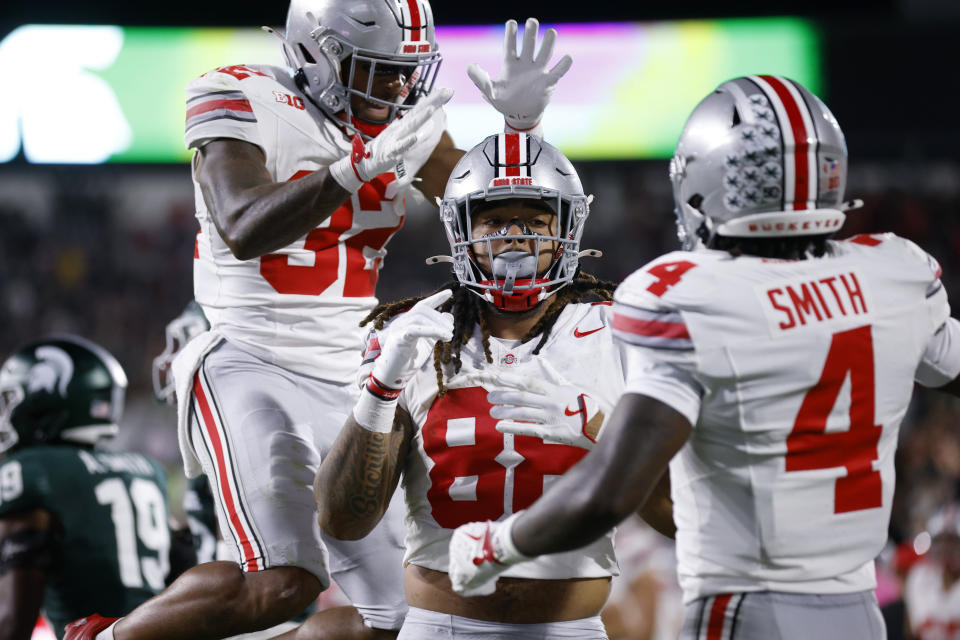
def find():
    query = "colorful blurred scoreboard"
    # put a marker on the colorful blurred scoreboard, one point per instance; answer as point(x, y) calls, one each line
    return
point(93, 94)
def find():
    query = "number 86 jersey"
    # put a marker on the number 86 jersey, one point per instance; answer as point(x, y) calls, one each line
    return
point(796, 376)
point(461, 469)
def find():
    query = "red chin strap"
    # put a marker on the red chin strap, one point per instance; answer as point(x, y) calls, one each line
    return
point(368, 129)
point(522, 300)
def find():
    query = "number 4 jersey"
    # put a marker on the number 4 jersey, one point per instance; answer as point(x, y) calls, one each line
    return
point(111, 515)
point(796, 375)
point(461, 469)
point(297, 307)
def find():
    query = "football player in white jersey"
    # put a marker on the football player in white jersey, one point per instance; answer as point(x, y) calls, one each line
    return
point(931, 593)
point(301, 176)
point(776, 364)
point(514, 211)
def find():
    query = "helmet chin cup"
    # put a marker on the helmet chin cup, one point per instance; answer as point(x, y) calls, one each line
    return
point(521, 299)
point(511, 264)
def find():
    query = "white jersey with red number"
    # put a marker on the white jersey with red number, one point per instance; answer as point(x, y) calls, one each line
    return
point(795, 375)
point(462, 469)
point(934, 612)
point(299, 306)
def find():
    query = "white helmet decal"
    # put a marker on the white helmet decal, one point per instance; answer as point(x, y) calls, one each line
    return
point(53, 369)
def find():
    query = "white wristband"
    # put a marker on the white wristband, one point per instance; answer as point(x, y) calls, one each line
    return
point(345, 174)
point(374, 414)
point(536, 130)
point(506, 550)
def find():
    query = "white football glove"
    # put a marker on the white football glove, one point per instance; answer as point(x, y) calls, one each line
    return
point(396, 363)
point(522, 91)
point(546, 408)
point(479, 553)
point(367, 161)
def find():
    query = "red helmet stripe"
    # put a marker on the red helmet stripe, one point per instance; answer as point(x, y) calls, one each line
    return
point(800, 170)
point(511, 142)
point(413, 6)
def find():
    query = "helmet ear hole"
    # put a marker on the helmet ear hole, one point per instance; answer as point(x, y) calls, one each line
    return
point(306, 54)
point(695, 201)
point(736, 117)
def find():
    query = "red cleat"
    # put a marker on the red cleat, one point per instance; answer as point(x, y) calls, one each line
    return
point(87, 628)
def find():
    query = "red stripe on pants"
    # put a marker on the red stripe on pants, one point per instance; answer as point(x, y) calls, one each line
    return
point(248, 556)
point(717, 616)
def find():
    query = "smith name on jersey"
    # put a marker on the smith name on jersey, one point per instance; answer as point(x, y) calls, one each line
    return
point(299, 306)
point(796, 376)
point(111, 513)
point(462, 469)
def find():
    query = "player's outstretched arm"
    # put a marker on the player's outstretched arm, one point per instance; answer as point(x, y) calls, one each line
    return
point(615, 479)
point(359, 475)
point(254, 214)
point(611, 482)
point(25, 555)
point(523, 89)
point(657, 511)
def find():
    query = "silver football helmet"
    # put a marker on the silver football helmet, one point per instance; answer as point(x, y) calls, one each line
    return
point(327, 40)
point(759, 157)
point(190, 323)
point(514, 165)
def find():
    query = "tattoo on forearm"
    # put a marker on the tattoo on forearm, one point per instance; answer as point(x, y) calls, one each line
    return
point(368, 476)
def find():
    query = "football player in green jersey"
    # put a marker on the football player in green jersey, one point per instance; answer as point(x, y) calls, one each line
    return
point(81, 530)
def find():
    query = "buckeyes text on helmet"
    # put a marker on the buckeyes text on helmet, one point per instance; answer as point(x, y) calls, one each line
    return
point(761, 156)
point(504, 167)
point(60, 389)
point(327, 41)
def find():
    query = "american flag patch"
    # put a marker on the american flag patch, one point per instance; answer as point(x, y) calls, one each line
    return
point(228, 105)
point(654, 329)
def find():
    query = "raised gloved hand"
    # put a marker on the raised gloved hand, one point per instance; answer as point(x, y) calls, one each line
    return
point(396, 363)
point(479, 553)
point(368, 160)
point(546, 408)
point(522, 91)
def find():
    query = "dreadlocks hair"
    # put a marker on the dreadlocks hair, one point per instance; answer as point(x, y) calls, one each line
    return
point(467, 309)
point(790, 248)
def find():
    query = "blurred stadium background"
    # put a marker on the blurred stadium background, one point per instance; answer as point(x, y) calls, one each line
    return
point(96, 202)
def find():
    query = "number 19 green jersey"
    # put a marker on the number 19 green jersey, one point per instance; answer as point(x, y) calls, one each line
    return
point(114, 544)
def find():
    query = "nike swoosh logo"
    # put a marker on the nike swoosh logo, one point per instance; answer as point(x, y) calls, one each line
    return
point(581, 334)
point(572, 413)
